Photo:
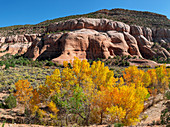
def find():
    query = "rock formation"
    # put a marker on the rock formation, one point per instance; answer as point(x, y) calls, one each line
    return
point(88, 38)
point(16, 44)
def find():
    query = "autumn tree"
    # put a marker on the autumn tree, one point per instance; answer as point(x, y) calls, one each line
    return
point(162, 78)
point(86, 90)
point(89, 91)
point(137, 76)
point(23, 92)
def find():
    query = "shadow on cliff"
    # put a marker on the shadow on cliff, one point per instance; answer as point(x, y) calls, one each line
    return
point(53, 51)
point(94, 50)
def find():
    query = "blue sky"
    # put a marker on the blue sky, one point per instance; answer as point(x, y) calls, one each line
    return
point(20, 12)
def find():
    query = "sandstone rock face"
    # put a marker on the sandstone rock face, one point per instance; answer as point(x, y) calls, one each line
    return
point(135, 40)
point(147, 32)
point(162, 36)
point(132, 43)
point(83, 43)
point(16, 44)
point(88, 38)
point(48, 48)
point(89, 23)
point(144, 37)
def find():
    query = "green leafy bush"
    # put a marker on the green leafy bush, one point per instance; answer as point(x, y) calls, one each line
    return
point(10, 102)
point(144, 66)
point(118, 125)
point(2, 105)
point(6, 65)
point(50, 63)
point(1, 63)
point(167, 95)
point(118, 60)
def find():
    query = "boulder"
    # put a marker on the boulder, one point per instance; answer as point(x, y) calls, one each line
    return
point(9, 39)
point(15, 44)
point(143, 44)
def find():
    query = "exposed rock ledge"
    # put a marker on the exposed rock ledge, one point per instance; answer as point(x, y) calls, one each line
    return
point(88, 38)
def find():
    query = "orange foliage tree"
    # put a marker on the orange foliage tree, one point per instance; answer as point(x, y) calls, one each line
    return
point(23, 91)
point(92, 93)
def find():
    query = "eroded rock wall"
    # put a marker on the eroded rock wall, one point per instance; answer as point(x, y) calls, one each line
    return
point(88, 38)
point(16, 44)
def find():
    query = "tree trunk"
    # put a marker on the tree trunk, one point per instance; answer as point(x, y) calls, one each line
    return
point(101, 117)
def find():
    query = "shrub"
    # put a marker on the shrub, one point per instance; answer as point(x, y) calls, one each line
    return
point(50, 63)
point(109, 57)
point(118, 125)
point(144, 66)
point(2, 105)
point(98, 59)
point(3, 125)
point(69, 64)
point(1, 63)
point(134, 57)
point(127, 63)
point(167, 95)
point(129, 57)
point(7, 65)
point(10, 102)
point(12, 65)
point(123, 63)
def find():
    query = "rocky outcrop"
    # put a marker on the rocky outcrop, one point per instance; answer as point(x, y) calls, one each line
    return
point(88, 38)
point(44, 48)
point(132, 43)
point(143, 44)
point(145, 36)
point(147, 32)
point(17, 44)
point(106, 25)
point(89, 23)
point(84, 44)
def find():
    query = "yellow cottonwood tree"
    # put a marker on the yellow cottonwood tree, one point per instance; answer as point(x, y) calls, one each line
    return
point(126, 100)
point(162, 77)
point(23, 91)
point(86, 90)
point(137, 76)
